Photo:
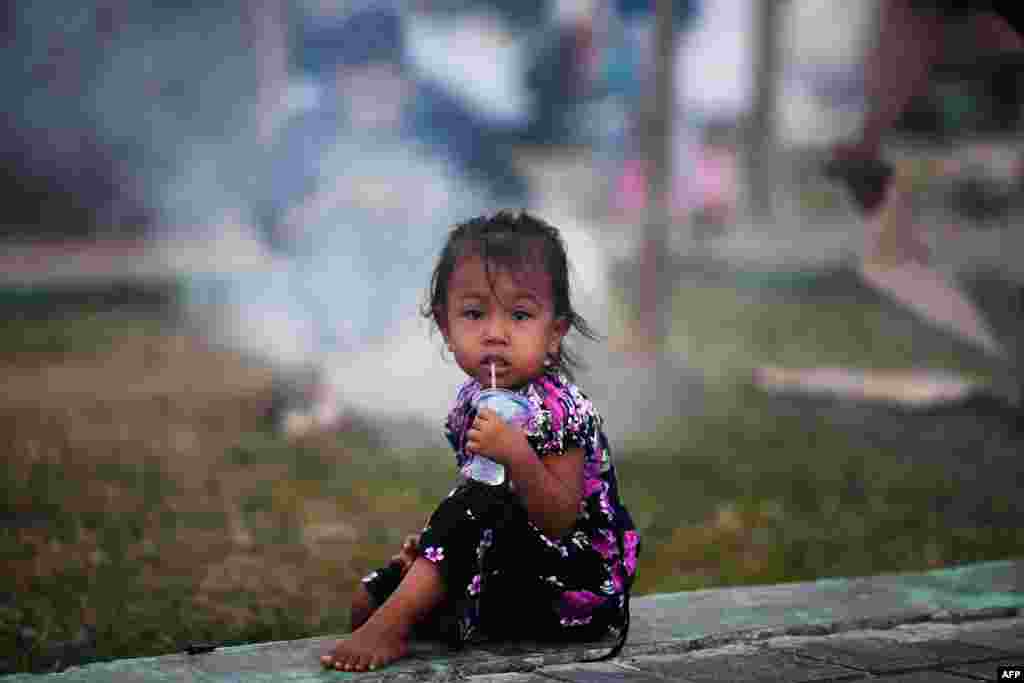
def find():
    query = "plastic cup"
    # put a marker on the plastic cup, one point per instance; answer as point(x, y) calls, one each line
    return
point(513, 409)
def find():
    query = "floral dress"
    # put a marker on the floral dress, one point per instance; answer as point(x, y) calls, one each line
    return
point(505, 578)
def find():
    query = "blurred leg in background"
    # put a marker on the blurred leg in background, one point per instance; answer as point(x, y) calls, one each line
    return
point(914, 36)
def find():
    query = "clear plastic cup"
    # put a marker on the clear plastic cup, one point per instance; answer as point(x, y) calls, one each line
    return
point(513, 409)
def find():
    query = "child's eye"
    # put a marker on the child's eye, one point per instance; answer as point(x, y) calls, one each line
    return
point(520, 315)
point(472, 314)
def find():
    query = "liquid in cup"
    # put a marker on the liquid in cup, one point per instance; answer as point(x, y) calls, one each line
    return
point(513, 409)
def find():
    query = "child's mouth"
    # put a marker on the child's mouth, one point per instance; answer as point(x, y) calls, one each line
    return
point(500, 364)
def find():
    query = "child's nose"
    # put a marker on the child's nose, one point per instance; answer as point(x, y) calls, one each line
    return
point(496, 330)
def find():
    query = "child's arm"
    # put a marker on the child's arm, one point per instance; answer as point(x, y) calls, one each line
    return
point(551, 487)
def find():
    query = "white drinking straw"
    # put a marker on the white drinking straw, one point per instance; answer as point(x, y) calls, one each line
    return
point(494, 384)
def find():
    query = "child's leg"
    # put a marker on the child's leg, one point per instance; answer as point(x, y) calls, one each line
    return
point(897, 68)
point(384, 636)
point(452, 546)
point(363, 605)
point(383, 581)
point(373, 590)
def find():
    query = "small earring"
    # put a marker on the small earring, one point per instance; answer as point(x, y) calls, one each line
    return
point(547, 362)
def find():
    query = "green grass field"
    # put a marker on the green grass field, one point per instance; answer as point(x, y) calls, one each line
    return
point(144, 496)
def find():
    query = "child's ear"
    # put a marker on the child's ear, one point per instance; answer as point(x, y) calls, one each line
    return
point(560, 329)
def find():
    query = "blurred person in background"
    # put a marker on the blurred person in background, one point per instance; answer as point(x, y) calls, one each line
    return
point(714, 92)
point(622, 86)
point(914, 35)
point(358, 55)
point(113, 107)
point(559, 74)
point(478, 53)
point(360, 189)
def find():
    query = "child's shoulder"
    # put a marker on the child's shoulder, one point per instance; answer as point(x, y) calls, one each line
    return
point(556, 389)
point(554, 382)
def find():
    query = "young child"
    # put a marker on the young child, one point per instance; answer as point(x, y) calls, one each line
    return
point(551, 555)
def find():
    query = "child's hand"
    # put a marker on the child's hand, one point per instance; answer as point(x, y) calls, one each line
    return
point(494, 438)
point(409, 552)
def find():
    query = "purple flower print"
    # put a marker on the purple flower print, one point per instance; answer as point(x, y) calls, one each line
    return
point(617, 581)
point(434, 554)
point(630, 540)
point(486, 541)
point(592, 486)
point(554, 545)
point(552, 404)
point(605, 544)
point(578, 604)
point(474, 585)
point(555, 581)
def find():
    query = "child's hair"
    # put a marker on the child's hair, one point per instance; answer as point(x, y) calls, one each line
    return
point(515, 242)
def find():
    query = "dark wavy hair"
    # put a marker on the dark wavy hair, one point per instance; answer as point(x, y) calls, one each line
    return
point(516, 242)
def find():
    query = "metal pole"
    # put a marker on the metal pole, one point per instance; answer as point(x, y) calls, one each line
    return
point(761, 133)
point(653, 282)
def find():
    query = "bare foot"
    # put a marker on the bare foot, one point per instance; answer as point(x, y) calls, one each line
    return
point(371, 646)
point(385, 635)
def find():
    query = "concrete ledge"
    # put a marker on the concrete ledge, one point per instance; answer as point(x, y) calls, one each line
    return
point(665, 627)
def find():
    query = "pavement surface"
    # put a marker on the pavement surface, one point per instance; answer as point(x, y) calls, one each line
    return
point(954, 624)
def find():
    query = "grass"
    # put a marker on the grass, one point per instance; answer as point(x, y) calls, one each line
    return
point(734, 501)
point(144, 496)
point(830, 320)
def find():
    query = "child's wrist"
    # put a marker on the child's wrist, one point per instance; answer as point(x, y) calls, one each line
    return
point(519, 450)
point(518, 463)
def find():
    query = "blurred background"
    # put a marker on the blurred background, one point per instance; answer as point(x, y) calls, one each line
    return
point(222, 406)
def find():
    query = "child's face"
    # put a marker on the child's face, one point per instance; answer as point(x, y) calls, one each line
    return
point(514, 325)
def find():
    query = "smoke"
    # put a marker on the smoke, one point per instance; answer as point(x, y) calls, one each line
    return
point(140, 103)
point(169, 105)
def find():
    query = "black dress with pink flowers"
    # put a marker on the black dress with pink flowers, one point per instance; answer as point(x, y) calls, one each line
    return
point(504, 577)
